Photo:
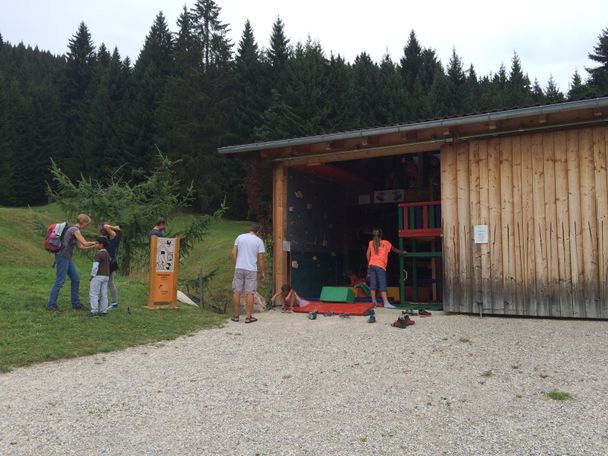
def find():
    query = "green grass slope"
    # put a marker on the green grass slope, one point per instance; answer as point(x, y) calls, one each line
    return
point(29, 333)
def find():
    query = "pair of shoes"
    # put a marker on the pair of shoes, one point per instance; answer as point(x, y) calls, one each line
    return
point(403, 322)
point(312, 315)
point(425, 313)
point(369, 312)
point(113, 306)
point(372, 319)
point(388, 305)
point(93, 314)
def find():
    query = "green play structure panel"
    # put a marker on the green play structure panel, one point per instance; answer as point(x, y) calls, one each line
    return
point(337, 294)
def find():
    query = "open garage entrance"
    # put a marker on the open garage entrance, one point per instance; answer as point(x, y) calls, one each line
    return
point(333, 207)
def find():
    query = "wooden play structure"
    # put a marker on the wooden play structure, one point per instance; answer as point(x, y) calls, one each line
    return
point(420, 224)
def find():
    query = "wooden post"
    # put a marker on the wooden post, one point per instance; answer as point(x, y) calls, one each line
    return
point(200, 284)
point(601, 191)
point(550, 226)
point(463, 223)
point(450, 228)
point(563, 225)
point(589, 222)
point(279, 224)
point(574, 209)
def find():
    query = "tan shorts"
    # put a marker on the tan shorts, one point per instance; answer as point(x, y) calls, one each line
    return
point(245, 281)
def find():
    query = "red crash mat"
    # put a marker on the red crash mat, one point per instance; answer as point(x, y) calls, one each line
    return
point(357, 309)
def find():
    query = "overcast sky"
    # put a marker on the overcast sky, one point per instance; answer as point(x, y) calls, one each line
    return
point(551, 37)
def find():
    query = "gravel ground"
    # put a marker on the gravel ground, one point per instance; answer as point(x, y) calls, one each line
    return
point(334, 386)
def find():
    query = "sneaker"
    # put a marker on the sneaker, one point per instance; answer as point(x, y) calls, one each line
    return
point(388, 305)
point(93, 314)
point(411, 312)
point(53, 309)
point(113, 306)
point(369, 312)
point(372, 319)
point(399, 323)
point(78, 307)
point(312, 315)
point(406, 320)
point(425, 313)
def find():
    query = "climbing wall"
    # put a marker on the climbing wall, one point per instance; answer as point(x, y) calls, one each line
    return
point(315, 213)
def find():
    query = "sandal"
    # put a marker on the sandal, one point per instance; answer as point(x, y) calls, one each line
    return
point(235, 318)
point(250, 320)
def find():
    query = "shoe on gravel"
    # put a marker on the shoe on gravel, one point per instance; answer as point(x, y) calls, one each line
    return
point(425, 313)
point(312, 315)
point(406, 320)
point(372, 319)
point(329, 314)
point(399, 323)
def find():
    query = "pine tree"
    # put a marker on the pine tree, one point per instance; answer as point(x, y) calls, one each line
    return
point(366, 75)
point(250, 85)
point(342, 113)
point(279, 50)
point(150, 75)
point(212, 33)
point(472, 91)
point(552, 92)
point(391, 96)
point(455, 96)
point(537, 92)
point(519, 84)
point(77, 79)
point(598, 76)
point(411, 62)
point(577, 88)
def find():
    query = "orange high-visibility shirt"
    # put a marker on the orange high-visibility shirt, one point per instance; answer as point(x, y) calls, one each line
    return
point(381, 258)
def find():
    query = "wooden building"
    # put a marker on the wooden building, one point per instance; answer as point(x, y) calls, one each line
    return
point(532, 181)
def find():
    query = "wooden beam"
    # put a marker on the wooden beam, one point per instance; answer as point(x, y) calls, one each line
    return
point(384, 151)
point(279, 225)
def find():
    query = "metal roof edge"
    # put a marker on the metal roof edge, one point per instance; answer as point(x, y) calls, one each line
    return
point(400, 128)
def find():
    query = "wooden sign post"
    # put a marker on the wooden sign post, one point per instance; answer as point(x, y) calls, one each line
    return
point(164, 267)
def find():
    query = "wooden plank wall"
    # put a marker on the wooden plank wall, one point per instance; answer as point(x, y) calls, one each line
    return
point(545, 199)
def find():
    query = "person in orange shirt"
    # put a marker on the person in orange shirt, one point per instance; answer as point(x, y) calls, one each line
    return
point(377, 258)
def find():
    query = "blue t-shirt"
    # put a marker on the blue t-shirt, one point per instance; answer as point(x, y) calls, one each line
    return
point(113, 245)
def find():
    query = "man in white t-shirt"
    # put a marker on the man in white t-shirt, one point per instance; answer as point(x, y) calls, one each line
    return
point(248, 256)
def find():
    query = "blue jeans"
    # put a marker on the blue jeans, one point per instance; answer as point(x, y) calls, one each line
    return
point(377, 278)
point(65, 267)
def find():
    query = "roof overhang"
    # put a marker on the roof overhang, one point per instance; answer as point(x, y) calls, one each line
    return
point(427, 135)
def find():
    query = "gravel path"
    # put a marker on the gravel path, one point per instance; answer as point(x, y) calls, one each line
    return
point(334, 386)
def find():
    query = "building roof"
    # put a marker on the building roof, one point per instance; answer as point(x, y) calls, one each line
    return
point(449, 124)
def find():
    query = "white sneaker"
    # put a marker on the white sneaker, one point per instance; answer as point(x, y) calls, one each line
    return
point(388, 305)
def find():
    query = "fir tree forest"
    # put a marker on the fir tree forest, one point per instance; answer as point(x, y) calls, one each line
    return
point(192, 90)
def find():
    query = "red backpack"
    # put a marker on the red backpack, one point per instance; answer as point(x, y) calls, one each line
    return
point(53, 241)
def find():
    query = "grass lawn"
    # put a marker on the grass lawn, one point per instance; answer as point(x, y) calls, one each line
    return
point(30, 334)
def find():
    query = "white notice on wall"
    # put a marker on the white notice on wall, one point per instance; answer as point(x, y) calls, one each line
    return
point(165, 254)
point(481, 234)
point(286, 246)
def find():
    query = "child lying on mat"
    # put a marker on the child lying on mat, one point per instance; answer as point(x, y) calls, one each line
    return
point(287, 297)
